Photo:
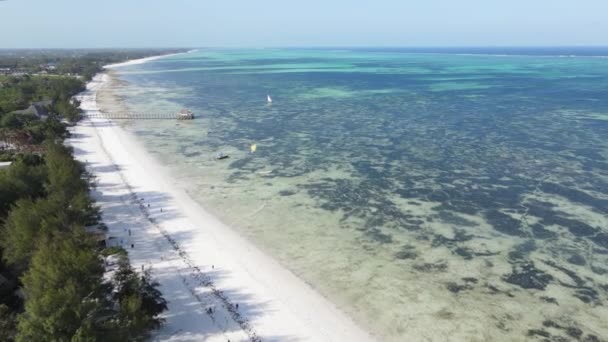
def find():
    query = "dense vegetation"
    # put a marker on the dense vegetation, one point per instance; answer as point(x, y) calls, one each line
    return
point(19, 92)
point(85, 63)
point(52, 283)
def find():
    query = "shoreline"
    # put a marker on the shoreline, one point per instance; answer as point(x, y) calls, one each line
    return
point(199, 261)
point(144, 60)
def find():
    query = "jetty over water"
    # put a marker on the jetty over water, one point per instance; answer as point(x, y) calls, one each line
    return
point(183, 114)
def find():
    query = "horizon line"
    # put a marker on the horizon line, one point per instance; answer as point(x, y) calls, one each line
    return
point(312, 47)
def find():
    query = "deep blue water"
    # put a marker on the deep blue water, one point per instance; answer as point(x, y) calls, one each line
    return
point(580, 51)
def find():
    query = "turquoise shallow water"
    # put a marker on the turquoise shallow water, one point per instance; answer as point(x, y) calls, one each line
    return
point(429, 195)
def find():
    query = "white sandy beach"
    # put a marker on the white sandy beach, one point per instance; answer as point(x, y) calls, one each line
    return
point(200, 262)
point(142, 60)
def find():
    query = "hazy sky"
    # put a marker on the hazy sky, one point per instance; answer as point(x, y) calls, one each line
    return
point(260, 23)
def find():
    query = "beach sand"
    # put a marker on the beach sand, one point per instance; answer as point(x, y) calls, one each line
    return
point(200, 262)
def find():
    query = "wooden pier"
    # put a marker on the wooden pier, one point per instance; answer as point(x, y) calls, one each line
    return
point(183, 114)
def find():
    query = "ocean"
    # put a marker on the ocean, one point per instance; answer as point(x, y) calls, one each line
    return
point(431, 194)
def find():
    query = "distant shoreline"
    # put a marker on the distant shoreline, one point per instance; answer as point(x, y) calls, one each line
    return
point(144, 60)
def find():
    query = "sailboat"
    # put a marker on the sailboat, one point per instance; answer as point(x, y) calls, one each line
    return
point(268, 99)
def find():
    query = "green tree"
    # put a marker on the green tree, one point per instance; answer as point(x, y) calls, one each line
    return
point(63, 290)
point(50, 129)
point(68, 184)
point(27, 223)
point(19, 234)
point(23, 179)
point(67, 208)
point(65, 174)
point(140, 302)
point(66, 109)
point(11, 120)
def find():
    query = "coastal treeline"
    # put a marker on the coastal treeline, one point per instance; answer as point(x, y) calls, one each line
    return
point(84, 63)
point(58, 281)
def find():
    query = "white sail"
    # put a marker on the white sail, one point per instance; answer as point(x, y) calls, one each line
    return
point(268, 98)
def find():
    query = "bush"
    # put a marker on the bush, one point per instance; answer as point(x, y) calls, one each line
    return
point(113, 251)
point(140, 303)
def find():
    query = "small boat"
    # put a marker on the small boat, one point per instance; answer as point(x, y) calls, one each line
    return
point(253, 148)
point(268, 99)
point(221, 155)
